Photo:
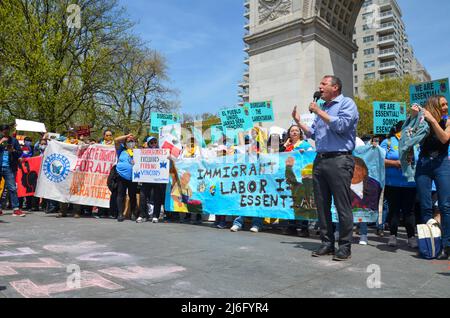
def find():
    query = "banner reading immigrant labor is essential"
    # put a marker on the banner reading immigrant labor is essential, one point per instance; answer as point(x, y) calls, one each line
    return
point(419, 93)
point(261, 112)
point(272, 186)
point(151, 165)
point(27, 176)
point(386, 115)
point(76, 174)
point(158, 120)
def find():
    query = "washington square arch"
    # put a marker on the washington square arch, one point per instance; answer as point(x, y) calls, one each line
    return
point(292, 44)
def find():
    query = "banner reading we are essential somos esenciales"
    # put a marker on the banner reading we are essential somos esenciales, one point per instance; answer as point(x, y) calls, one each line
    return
point(76, 174)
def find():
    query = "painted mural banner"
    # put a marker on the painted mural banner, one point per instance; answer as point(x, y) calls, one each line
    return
point(261, 111)
point(27, 176)
point(158, 120)
point(76, 174)
point(268, 186)
point(386, 115)
point(151, 165)
point(419, 93)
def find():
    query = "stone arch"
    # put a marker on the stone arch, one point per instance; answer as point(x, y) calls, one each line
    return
point(340, 15)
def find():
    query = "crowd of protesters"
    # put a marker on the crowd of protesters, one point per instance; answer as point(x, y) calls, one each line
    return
point(406, 202)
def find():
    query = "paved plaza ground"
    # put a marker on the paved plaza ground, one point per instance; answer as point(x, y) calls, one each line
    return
point(40, 256)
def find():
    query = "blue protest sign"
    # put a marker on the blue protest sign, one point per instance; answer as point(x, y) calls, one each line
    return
point(158, 120)
point(236, 118)
point(386, 115)
point(261, 112)
point(419, 93)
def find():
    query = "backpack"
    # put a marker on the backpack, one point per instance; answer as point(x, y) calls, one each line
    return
point(113, 179)
point(429, 241)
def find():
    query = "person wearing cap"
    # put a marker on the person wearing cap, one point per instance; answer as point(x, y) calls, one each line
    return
point(147, 189)
point(10, 153)
point(125, 146)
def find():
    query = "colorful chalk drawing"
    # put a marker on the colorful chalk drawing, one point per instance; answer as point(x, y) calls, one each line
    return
point(73, 248)
point(22, 251)
point(5, 242)
point(88, 279)
point(138, 272)
point(7, 268)
point(28, 289)
point(105, 256)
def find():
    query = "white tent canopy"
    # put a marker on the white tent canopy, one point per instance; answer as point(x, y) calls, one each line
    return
point(33, 126)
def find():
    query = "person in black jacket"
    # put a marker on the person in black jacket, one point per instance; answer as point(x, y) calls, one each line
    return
point(10, 152)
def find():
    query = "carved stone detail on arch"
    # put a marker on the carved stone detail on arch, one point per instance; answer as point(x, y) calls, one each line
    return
point(270, 10)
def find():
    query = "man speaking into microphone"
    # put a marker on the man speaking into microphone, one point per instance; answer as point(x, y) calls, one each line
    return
point(334, 131)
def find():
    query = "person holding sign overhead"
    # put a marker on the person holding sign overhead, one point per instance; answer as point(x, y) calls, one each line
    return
point(334, 131)
point(434, 165)
point(124, 146)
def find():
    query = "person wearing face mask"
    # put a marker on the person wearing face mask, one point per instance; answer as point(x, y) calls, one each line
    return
point(147, 189)
point(125, 146)
point(41, 147)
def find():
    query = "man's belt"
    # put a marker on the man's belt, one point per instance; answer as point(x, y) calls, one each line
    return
point(333, 154)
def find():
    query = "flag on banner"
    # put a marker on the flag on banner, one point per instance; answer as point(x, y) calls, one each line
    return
point(76, 174)
point(27, 176)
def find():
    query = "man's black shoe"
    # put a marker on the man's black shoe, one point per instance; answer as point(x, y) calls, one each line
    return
point(324, 250)
point(342, 254)
point(120, 219)
point(444, 254)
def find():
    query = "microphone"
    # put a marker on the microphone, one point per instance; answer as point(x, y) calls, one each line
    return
point(316, 97)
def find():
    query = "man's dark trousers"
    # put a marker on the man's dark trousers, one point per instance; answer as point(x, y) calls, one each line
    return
point(332, 178)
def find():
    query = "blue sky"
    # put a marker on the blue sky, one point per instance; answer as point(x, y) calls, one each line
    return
point(202, 41)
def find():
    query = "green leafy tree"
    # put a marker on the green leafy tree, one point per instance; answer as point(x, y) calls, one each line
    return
point(394, 89)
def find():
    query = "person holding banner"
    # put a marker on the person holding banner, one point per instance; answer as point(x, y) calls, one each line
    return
point(10, 153)
point(434, 165)
point(295, 142)
point(158, 190)
point(399, 193)
point(108, 138)
point(124, 146)
point(334, 131)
